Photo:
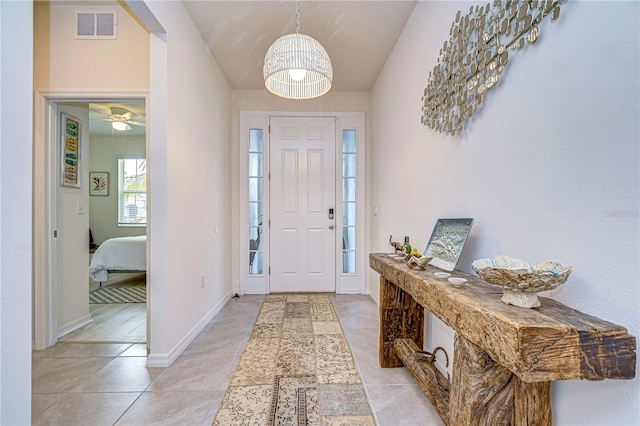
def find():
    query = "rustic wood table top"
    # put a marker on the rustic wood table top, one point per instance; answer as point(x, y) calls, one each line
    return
point(552, 342)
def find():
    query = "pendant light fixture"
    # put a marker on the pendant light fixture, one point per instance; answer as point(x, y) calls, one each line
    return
point(296, 66)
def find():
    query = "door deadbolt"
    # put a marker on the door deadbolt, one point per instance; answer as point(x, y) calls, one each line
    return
point(330, 213)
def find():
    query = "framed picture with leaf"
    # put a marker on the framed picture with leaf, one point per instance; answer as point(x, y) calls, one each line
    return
point(99, 183)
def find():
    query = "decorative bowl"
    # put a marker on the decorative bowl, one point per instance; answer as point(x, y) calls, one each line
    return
point(418, 262)
point(442, 275)
point(519, 280)
point(458, 282)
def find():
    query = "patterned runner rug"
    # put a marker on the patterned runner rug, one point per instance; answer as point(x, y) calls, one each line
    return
point(297, 369)
point(104, 295)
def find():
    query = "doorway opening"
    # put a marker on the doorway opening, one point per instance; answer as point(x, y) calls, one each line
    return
point(70, 306)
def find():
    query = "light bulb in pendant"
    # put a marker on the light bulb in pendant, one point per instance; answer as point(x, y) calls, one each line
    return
point(297, 74)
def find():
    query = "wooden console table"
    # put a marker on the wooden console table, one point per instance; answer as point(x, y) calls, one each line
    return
point(505, 357)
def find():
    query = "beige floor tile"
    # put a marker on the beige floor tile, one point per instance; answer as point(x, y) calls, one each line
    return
point(222, 339)
point(192, 374)
point(123, 374)
point(42, 401)
point(402, 405)
point(137, 349)
point(53, 375)
point(371, 373)
point(85, 409)
point(169, 408)
point(82, 350)
point(215, 404)
point(190, 391)
point(125, 322)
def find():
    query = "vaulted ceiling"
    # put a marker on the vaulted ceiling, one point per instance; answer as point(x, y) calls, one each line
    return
point(358, 35)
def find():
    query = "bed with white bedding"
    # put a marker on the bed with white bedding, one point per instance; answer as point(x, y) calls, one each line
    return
point(121, 254)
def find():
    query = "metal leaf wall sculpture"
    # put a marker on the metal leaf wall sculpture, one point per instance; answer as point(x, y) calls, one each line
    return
point(475, 56)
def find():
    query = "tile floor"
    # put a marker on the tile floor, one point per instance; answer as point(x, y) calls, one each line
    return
point(107, 384)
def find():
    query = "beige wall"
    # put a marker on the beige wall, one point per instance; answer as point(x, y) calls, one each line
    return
point(548, 166)
point(64, 63)
point(262, 100)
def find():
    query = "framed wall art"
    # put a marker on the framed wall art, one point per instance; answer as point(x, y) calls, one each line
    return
point(99, 183)
point(70, 128)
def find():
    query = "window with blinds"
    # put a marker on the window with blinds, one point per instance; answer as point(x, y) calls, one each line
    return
point(132, 192)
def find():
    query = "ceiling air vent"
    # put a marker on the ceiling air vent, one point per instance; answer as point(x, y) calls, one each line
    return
point(97, 24)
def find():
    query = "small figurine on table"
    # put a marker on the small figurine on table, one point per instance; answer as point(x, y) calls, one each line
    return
point(398, 247)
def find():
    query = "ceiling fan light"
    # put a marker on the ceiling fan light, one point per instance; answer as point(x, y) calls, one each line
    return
point(120, 125)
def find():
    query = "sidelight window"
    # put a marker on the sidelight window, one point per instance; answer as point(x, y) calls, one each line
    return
point(256, 201)
point(349, 182)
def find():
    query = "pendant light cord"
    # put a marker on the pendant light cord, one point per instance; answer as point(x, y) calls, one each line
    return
point(297, 17)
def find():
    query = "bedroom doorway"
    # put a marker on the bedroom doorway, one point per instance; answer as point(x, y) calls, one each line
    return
point(63, 310)
point(117, 224)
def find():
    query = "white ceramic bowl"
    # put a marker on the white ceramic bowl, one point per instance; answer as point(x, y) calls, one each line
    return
point(457, 281)
point(442, 275)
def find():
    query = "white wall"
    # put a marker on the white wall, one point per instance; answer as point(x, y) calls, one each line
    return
point(190, 155)
point(16, 114)
point(72, 243)
point(548, 167)
point(262, 100)
point(104, 152)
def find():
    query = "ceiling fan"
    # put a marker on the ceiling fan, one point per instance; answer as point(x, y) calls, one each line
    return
point(122, 119)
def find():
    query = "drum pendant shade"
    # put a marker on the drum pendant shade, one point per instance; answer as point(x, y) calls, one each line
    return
point(296, 66)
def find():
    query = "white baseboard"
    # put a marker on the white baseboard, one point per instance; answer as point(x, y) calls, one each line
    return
point(73, 325)
point(166, 359)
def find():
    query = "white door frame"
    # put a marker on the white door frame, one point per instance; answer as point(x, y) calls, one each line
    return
point(259, 284)
point(45, 183)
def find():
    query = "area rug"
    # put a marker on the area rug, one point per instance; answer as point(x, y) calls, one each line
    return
point(297, 369)
point(105, 295)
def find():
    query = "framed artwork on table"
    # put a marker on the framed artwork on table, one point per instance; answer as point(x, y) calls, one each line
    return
point(99, 183)
point(70, 128)
point(446, 242)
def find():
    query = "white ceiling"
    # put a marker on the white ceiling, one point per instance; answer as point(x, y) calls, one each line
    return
point(358, 35)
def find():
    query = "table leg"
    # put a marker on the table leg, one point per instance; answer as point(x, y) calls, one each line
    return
point(400, 316)
point(484, 392)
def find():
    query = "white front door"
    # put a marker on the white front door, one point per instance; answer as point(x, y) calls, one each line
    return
point(303, 161)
